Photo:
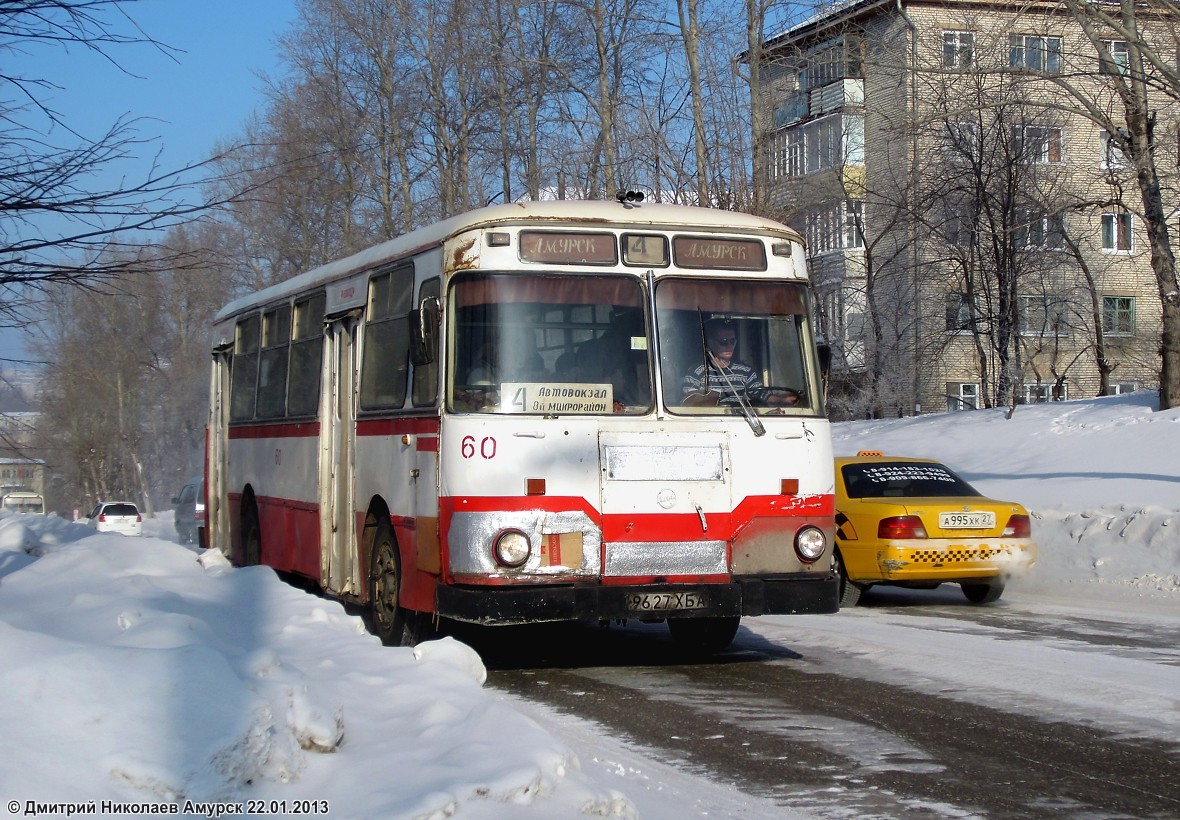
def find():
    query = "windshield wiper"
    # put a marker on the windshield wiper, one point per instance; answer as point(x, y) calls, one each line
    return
point(746, 408)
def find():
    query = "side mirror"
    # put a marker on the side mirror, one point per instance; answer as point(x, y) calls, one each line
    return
point(424, 331)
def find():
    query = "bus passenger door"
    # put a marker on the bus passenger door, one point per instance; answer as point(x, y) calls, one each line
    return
point(217, 515)
point(339, 571)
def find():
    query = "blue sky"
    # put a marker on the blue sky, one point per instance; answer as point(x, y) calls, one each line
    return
point(202, 94)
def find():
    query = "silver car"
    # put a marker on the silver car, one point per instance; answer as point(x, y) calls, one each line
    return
point(116, 516)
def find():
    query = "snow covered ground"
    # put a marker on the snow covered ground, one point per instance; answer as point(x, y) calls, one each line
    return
point(137, 672)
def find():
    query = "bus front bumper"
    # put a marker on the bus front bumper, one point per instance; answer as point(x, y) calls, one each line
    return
point(787, 595)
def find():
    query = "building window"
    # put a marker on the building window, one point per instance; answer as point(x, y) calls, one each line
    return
point(816, 146)
point(854, 140)
point(839, 318)
point(1121, 388)
point(786, 154)
point(835, 226)
point(962, 396)
point(1041, 315)
point(960, 229)
point(1111, 150)
point(1036, 143)
point(962, 140)
point(1118, 315)
point(776, 165)
point(832, 64)
point(1034, 52)
point(1114, 60)
point(1041, 393)
point(960, 314)
point(1117, 231)
point(1035, 230)
point(821, 144)
point(791, 110)
point(831, 313)
point(958, 49)
point(854, 217)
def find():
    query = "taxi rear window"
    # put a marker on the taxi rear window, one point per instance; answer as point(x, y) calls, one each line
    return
point(903, 479)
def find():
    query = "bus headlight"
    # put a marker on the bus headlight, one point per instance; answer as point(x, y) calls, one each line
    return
point(810, 544)
point(511, 548)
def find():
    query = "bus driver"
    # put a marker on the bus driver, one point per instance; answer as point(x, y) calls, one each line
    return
point(728, 381)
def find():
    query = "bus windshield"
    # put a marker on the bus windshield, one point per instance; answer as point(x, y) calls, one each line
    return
point(561, 344)
point(733, 346)
point(548, 344)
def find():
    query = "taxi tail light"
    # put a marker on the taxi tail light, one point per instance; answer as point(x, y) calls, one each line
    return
point(901, 526)
point(1019, 526)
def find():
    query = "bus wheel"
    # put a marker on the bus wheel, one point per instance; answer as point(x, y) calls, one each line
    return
point(251, 537)
point(388, 618)
point(703, 635)
point(983, 593)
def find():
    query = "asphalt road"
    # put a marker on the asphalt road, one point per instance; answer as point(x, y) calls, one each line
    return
point(764, 718)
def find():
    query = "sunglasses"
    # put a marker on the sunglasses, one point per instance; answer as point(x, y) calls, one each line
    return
point(727, 342)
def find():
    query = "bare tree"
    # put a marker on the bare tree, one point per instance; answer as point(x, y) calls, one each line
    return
point(1140, 79)
point(58, 221)
point(124, 388)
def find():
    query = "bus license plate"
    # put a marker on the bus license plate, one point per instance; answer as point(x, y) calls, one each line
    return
point(967, 520)
point(663, 601)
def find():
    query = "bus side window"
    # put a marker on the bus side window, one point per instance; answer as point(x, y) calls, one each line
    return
point(307, 346)
point(272, 366)
point(386, 359)
point(244, 377)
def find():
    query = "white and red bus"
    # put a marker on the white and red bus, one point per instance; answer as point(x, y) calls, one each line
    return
point(486, 420)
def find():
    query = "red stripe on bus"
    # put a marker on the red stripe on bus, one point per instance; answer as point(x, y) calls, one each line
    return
point(425, 431)
point(425, 425)
point(294, 429)
point(654, 526)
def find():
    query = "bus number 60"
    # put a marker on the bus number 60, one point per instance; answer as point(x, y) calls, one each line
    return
point(487, 447)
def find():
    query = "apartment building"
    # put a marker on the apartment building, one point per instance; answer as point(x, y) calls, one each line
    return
point(974, 237)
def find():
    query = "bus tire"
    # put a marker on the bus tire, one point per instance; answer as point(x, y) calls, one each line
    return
point(387, 618)
point(251, 537)
point(703, 636)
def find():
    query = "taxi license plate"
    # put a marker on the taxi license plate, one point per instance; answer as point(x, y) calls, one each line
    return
point(967, 520)
point(663, 601)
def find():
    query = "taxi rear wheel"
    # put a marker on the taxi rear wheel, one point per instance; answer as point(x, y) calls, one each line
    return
point(983, 593)
point(849, 592)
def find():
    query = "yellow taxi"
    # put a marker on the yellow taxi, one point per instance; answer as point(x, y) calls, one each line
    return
point(912, 522)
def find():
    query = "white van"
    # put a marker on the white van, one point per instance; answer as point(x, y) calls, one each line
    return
point(23, 502)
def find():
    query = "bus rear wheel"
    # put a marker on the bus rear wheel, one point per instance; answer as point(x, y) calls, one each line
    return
point(386, 615)
point(251, 537)
point(703, 636)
